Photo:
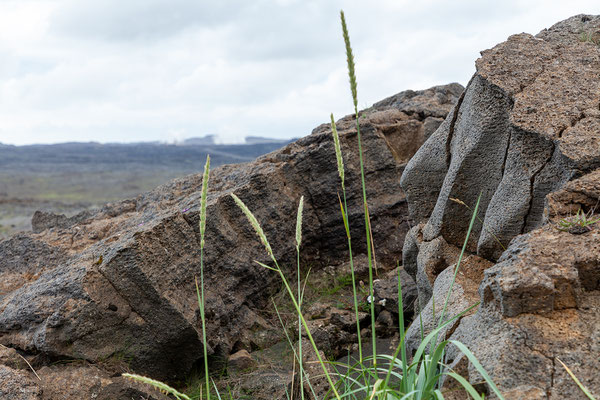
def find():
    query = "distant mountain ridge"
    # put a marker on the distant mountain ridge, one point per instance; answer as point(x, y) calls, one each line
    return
point(191, 153)
point(71, 177)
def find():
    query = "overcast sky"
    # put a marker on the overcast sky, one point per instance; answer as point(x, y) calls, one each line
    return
point(145, 70)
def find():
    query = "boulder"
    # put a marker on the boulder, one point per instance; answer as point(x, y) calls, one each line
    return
point(239, 362)
point(531, 100)
point(385, 290)
point(524, 137)
point(120, 281)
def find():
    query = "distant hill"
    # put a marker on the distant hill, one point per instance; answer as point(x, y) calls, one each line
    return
point(190, 155)
point(210, 140)
point(205, 140)
point(71, 177)
point(263, 140)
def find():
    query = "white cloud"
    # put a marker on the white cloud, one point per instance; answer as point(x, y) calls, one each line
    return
point(110, 70)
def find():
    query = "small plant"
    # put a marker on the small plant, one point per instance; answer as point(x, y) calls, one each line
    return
point(578, 223)
point(368, 238)
point(344, 209)
point(590, 37)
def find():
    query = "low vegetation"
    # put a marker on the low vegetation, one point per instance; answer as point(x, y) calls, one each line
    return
point(578, 223)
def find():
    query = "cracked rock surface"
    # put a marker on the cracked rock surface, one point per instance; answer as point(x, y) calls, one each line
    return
point(525, 136)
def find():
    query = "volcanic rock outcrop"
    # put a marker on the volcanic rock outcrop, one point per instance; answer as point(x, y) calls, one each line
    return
point(525, 138)
point(118, 283)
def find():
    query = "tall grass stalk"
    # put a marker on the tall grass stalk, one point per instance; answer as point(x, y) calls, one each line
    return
point(200, 291)
point(298, 242)
point(352, 76)
point(344, 209)
point(263, 238)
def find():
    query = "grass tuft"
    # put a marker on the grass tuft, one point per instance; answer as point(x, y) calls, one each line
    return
point(263, 238)
point(578, 223)
point(344, 210)
point(590, 37)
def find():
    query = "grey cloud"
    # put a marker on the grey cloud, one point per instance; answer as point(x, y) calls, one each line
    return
point(141, 19)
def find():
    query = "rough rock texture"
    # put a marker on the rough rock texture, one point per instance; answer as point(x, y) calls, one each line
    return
point(18, 385)
point(523, 128)
point(525, 137)
point(462, 296)
point(77, 381)
point(385, 290)
point(240, 362)
point(119, 282)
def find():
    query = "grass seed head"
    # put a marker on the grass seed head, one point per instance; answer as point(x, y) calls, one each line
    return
point(254, 222)
point(338, 150)
point(203, 200)
point(162, 387)
point(350, 60)
point(299, 222)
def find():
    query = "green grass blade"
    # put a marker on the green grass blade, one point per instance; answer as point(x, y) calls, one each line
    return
point(458, 263)
point(344, 217)
point(266, 266)
point(478, 366)
point(577, 381)
point(465, 384)
point(217, 390)
point(438, 395)
point(401, 326)
point(425, 342)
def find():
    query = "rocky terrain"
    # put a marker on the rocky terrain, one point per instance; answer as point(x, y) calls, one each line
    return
point(116, 285)
point(86, 297)
point(525, 136)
